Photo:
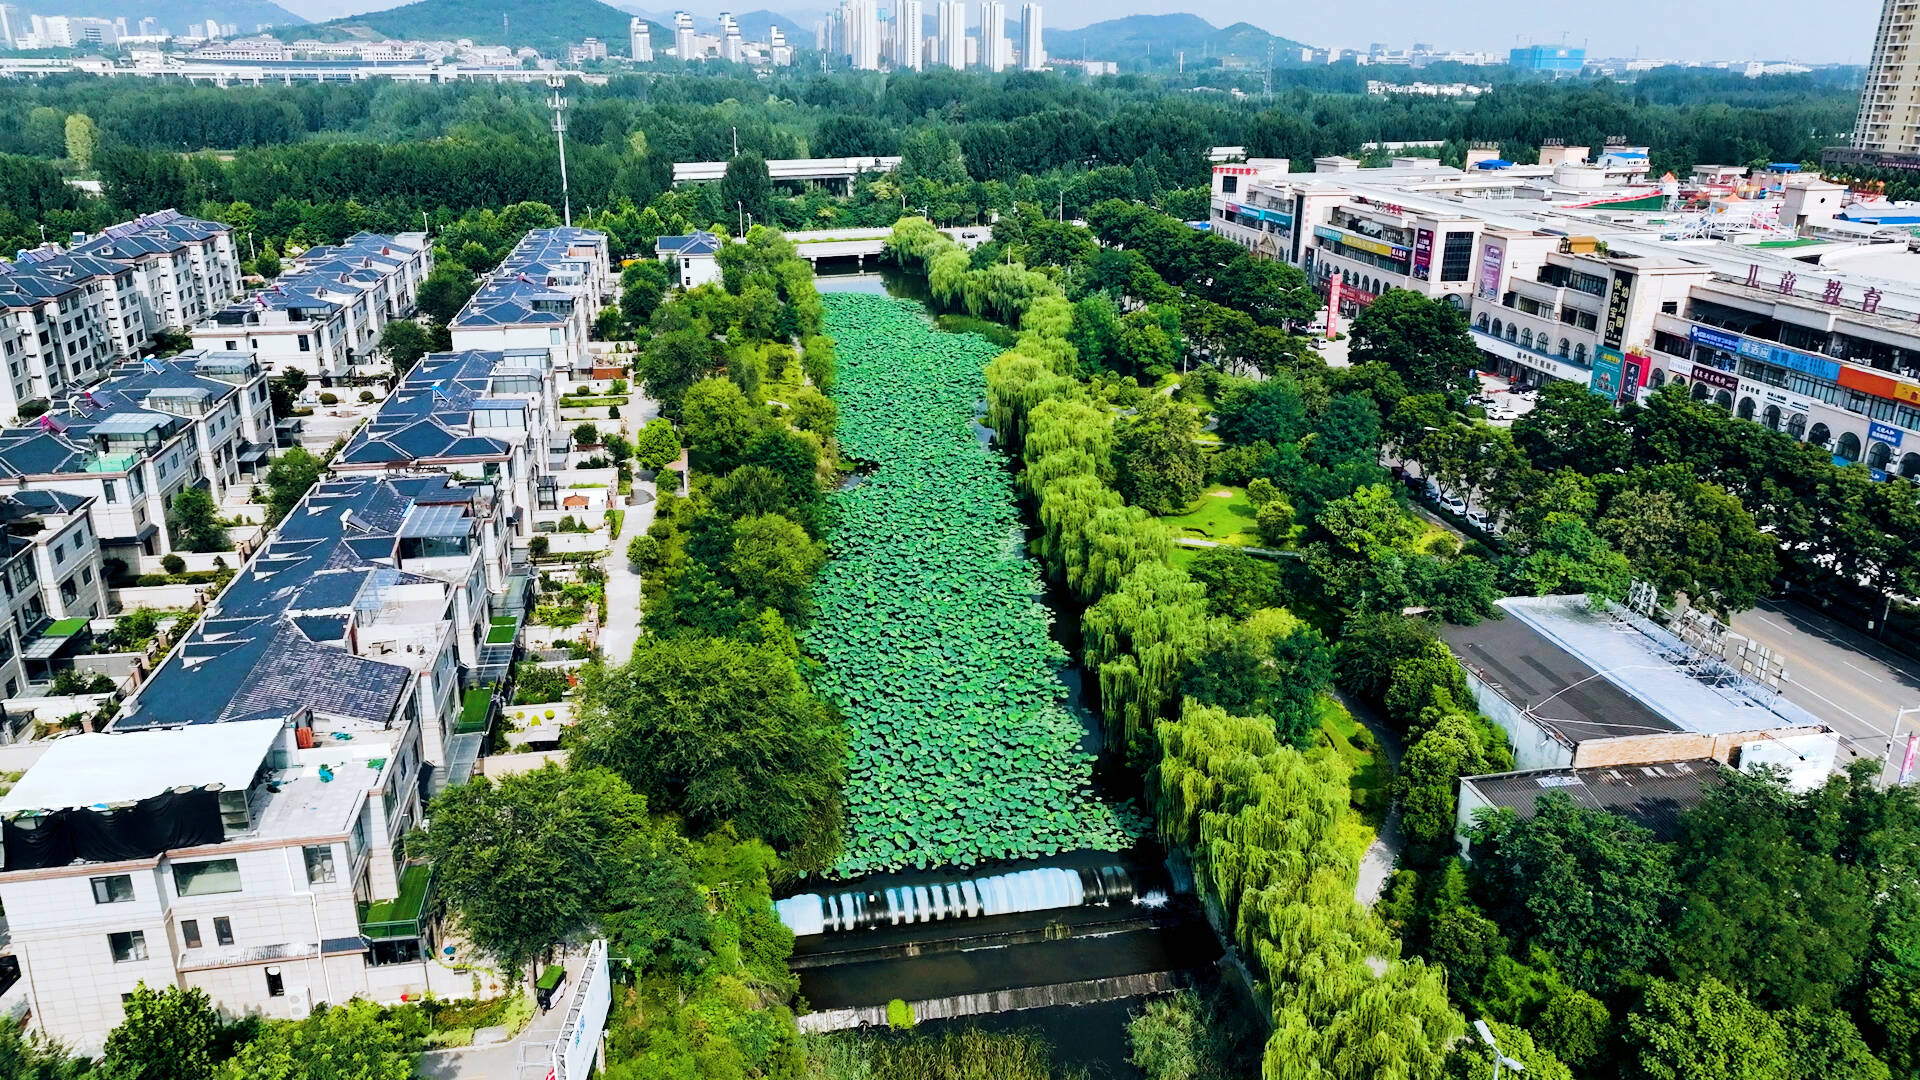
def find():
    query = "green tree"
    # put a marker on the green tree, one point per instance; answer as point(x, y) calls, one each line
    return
point(1567, 557)
point(1704, 1031)
point(772, 564)
point(1597, 892)
point(404, 342)
point(445, 292)
point(1688, 536)
point(747, 188)
point(643, 285)
point(1157, 463)
point(82, 138)
point(166, 1034)
point(1470, 1059)
point(29, 1055)
point(718, 421)
point(1422, 339)
point(193, 522)
point(657, 445)
point(355, 1041)
point(670, 364)
point(289, 478)
point(1571, 427)
point(586, 434)
point(532, 860)
point(721, 731)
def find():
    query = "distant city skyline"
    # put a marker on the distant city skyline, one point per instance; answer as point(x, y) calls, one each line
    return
point(1706, 30)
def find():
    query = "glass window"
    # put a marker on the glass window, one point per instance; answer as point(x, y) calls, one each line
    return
point(190, 932)
point(128, 946)
point(319, 864)
point(1456, 258)
point(117, 889)
point(207, 878)
point(223, 930)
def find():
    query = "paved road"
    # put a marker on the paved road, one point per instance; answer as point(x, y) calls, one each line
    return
point(1837, 673)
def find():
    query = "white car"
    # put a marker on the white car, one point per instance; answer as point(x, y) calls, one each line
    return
point(1500, 412)
point(1453, 504)
point(1478, 519)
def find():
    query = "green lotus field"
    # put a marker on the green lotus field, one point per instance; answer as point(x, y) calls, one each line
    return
point(934, 641)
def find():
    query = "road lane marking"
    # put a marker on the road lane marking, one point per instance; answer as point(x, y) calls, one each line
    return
point(1863, 671)
point(1863, 720)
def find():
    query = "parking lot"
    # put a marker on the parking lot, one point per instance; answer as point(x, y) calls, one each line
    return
point(1851, 682)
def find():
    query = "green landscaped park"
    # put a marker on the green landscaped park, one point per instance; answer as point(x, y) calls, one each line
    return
point(1223, 515)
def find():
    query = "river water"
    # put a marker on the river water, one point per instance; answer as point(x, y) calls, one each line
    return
point(948, 959)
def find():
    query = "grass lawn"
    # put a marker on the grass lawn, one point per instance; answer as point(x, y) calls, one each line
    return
point(498, 634)
point(1222, 514)
point(406, 906)
point(473, 708)
point(1352, 741)
point(1435, 539)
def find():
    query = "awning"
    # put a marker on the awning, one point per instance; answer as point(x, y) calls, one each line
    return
point(146, 533)
point(252, 452)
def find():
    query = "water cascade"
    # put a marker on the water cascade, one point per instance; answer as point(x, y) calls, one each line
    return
point(1040, 889)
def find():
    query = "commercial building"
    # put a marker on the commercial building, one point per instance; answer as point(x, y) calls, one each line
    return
point(1653, 796)
point(1579, 688)
point(1552, 59)
point(324, 314)
point(541, 298)
point(263, 779)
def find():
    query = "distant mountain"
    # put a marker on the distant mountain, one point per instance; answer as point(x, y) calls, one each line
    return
point(1161, 36)
point(549, 26)
point(245, 14)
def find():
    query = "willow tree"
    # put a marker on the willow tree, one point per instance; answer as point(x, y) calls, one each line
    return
point(1140, 640)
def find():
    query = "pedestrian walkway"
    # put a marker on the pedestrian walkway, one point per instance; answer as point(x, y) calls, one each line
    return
point(528, 1056)
point(622, 630)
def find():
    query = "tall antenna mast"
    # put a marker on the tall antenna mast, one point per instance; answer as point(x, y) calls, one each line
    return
point(558, 103)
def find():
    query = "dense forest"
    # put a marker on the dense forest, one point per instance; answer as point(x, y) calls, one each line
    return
point(377, 154)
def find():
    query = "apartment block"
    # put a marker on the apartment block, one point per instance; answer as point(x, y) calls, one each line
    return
point(324, 315)
point(264, 777)
point(543, 296)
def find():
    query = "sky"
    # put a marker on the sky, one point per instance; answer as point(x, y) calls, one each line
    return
point(1834, 31)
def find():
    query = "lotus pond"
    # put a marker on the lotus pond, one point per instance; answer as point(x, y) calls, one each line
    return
point(935, 643)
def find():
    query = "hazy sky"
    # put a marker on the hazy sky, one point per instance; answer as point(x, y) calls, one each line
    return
point(1831, 31)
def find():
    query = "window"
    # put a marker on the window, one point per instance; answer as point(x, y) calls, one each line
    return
point(207, 878)
point(128, 946)
point(190, 932)
point(117, 889)
point(1229, 184)
point(275, 987)
point(223, 930)
point(319, 864)
point(1456, 257)
point(305, 345)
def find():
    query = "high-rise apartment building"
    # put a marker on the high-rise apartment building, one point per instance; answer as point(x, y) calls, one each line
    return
point(994, 47)
point(639, 41)
point(733, 47)
point(683, 36)
point(952, 42)
point(1889, 118)
point(906, 35)
point(862, 21)
point(1033, 53)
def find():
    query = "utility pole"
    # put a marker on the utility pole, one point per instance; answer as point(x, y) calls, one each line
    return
point(736, 140)
point(740, 207)
point(558, 103)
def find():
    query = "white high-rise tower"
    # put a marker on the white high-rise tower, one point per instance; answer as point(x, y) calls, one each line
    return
point(907, 23)
point(993, 36)
point(639, 41)
point(1033, 53)
point(683, 35)
point(953, 33)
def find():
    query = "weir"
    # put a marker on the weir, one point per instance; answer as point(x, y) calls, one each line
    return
point(1038, 889)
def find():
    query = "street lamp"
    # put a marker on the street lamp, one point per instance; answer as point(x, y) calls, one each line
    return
point(1499, 1059)
point(1893, 740)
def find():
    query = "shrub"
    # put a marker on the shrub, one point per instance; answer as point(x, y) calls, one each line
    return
point(366, 396)
point(147, 580)
point(173, 564)
point(618, 387)
point(329, 399)
point(538, 546)
point(899, 1014)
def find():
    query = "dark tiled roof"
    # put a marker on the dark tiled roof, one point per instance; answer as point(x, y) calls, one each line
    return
point(1651, 796)
point(1527, 670)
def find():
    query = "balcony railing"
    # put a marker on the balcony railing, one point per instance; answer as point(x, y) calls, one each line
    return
point(404, 916)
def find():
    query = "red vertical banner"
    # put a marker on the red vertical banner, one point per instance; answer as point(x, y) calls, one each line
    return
point(1906, 766)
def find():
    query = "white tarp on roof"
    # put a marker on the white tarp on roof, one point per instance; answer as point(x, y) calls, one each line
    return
point(95, 769)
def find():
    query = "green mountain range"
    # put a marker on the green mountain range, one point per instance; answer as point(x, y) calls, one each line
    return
point(245, 14)
point(549, 26)
point(1160, 37)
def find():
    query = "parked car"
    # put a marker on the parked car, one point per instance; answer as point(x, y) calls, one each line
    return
point(1453, 504)
point(1478, 519)
point(1500, 412)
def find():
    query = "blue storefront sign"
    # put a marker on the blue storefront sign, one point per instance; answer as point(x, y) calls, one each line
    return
point(1885, 433)
point(1719, 339)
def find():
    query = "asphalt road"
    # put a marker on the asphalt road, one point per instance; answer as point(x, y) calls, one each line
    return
point(1837, 673)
